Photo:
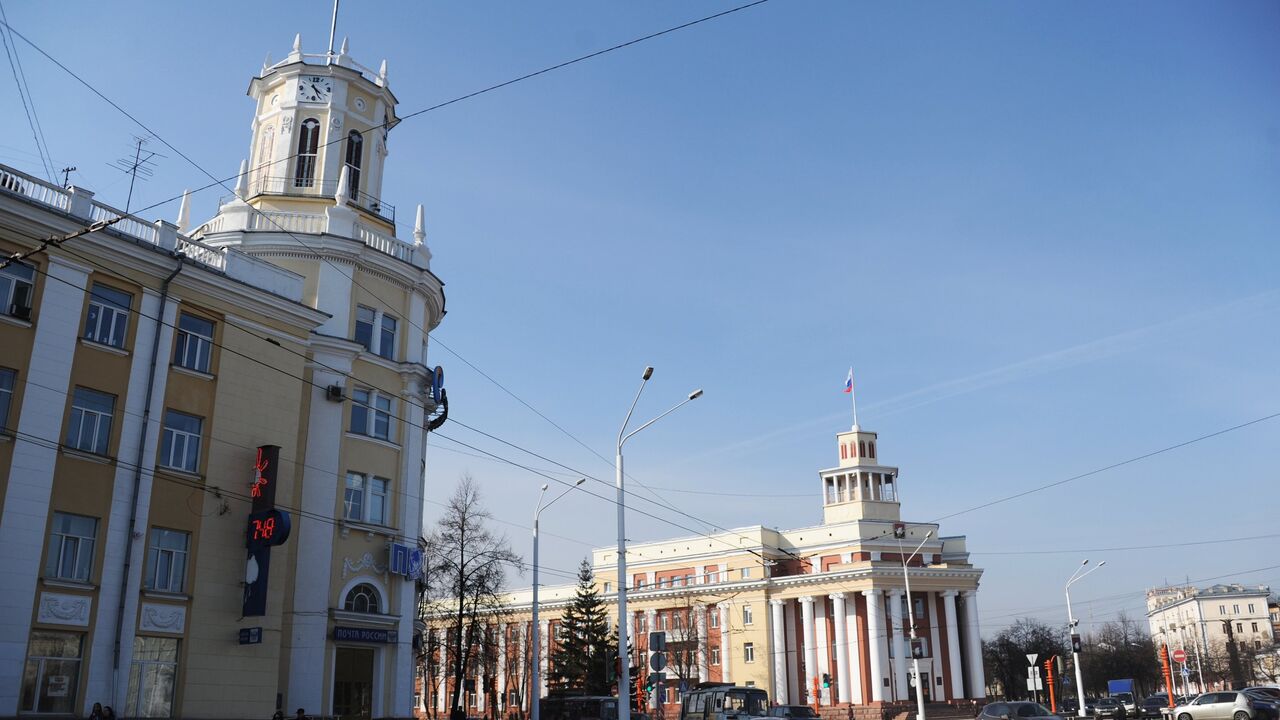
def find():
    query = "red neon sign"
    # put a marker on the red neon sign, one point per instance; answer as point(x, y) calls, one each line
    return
point(260, 465)
point(264, 529)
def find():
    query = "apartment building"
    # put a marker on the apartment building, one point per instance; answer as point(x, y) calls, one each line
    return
point(212, 439)
point(774, 609)
point(1205, 619)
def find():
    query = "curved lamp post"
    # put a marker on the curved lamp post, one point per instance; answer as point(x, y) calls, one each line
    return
point(535, 687)
point(911, 618)
point(624, 676)
point(1072, 622)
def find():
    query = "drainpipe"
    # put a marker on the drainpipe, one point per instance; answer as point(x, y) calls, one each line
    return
point(137, 477)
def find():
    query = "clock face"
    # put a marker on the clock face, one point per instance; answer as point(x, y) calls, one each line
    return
point(314, 88)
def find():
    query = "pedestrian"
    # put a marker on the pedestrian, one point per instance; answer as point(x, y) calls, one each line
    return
point(301, 714)
point(278, 716)
point(108, 713)
point(97, 712)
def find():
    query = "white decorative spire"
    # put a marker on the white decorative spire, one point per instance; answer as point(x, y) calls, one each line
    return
point(184, 212)
point(296, 54)
point(382, 74)
point(343, 51)
point(419, 227)
point(343, 194)
point(242, 180)
point(266, 64)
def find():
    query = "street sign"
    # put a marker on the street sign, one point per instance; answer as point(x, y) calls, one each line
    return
point(658, 661)
point(1186, 672)
point(1031, 658)
point(1180, 656)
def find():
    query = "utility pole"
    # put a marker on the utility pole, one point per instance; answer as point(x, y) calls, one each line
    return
point(66, 171)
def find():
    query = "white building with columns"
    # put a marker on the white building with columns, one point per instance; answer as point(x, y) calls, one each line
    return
point(784, 609)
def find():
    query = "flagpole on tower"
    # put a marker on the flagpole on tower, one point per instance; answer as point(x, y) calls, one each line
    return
point(333, 28)
point(853, 396)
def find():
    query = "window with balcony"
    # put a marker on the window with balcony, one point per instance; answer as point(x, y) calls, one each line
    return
point(180, 443)
point(304, 175)
point(167, 560)
point(371, 414)
point(16, 283)
point(108, 318)
point(89, 428)
point(355, 151)
point(7, 378)
point(195, 343)
point(387, 338)
point(72, 539)
point(365, 317)
point(364, 499)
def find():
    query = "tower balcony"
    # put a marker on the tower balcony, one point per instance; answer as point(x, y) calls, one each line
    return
point(312, 188)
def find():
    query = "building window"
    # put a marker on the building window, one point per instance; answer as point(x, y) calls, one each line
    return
point(1255, 627)
point(108, 318)
point(871, 450)
point(308, 141)
point(6, 395)
point(715, 656)
point(862, 448)
point(152, 678)
point(90, 425)
point(362, 598)
point(387, 338)
point(746, 615)
point(355, 150)
point(1239, 627)
point(608, 587)
point(195, 343)
point(371, 414)
point(746, 573)
point(167, 560)
point(715, 619)
point(1235, 609)
point(749, 652)
point(1257, 644)
point(71, 545)
point(180, 446)
point(365, 317)
point(365, 499)
point(266, 149)
point(1250, 608)
point(52, 674)
point(16, 282)
point(1222, 609)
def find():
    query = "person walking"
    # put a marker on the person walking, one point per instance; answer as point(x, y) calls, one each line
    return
point(96, 714)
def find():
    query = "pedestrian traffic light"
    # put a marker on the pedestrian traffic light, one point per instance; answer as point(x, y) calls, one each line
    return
point(826, 680)
point(1075, 643)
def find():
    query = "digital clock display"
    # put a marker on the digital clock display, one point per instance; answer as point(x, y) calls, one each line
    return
point(267, 528)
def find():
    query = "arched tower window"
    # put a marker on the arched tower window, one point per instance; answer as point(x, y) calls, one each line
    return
point(862, 448)
point(871, 449)
point(266, 149)
point(308, 143)
point(362, 598)
point(355, 151)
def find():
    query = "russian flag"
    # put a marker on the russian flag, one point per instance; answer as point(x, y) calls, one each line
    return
point(848, 383)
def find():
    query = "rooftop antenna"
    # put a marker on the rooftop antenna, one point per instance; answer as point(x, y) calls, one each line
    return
point(140, 164)
point(333, 29)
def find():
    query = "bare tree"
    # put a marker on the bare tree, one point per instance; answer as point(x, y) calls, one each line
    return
point(465, 576)
point(684, 651)
point(515, 662)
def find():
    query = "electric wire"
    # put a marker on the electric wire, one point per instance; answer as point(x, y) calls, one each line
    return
point(24, 92)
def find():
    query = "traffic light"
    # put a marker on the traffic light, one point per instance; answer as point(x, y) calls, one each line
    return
point(826, 680)
point(635, 689)
point(612, 666)
point(1075, 643)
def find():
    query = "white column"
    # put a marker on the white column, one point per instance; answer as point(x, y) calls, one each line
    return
point(443, 681)
point(937, 692)
point(820, 646)
point(543, 659)
point(810, 648)
point(876, 642)
point(700, 626)
point(314, 532)
point(842, 647)
point(778, 650)
point(973, 636)
point(854, 654)
point(899, 649)
point(502, 666)
point(726, 653)
point(26, 505)
point(953, 644)
point(412, 485)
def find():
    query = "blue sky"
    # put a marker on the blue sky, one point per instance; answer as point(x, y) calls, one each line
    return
point(1043, 233)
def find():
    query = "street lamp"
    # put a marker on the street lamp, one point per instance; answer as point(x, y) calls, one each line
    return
point(624, 674)
point(911, 618)
point(535, 688)
point(1071, 621)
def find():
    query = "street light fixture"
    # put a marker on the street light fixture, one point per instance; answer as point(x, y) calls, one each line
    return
point(911, 618)
point(1072, 622)
point(624, 674)
point(535, 688)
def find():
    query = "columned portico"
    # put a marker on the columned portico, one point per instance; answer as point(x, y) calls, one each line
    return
point(838, 617)
point(810, 648)
point(876, 642)
point(973, 645)
point(779, 628)
point(899, 647)
point(953, 644)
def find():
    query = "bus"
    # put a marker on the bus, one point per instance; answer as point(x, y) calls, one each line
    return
point(723, 701)
point(558, 706)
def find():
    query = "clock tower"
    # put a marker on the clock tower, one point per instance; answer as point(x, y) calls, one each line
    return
point(314, 123)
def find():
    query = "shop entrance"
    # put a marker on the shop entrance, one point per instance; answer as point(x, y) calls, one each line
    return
point(353, 684)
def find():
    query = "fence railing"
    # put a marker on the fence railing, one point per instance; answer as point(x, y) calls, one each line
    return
point(384, 243)
point(281, 221)
point(198, 251)
point(126, 224)
point(310, 187)
point(35, 189)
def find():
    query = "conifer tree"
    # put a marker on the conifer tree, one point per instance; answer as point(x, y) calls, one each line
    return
point(585, 647)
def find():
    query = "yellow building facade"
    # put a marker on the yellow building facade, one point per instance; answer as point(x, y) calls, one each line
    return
point(144, 366)
point(817, 615)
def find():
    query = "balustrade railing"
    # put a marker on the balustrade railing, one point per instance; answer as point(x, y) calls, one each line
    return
point(310, 187)
point(126, 224)
point(384, 243)
point(35, 189)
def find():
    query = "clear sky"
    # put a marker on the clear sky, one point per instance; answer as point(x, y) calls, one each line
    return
point(1044, 234)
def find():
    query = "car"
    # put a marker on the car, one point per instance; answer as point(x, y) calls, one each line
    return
point(1264, 702)
point(1230, 705)
point(792, 711)
point(1109, 707)
point(1271, 692)
point(1014, 710)
point(1151, 707)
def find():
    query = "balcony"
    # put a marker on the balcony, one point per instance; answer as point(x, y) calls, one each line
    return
point(292, 187)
